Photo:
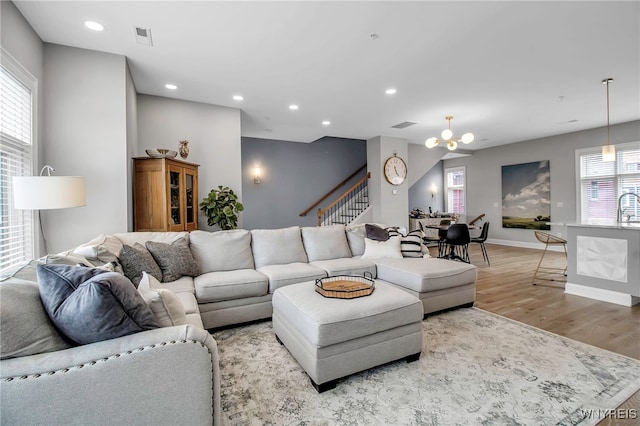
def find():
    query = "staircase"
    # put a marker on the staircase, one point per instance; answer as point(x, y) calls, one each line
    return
point(348, 206)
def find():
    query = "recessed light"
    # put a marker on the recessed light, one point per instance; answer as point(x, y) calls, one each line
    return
point(237, 98)
point(171, 86)
point(390, 91)
point(293, 107)
point(93, 25)
point(326, 122)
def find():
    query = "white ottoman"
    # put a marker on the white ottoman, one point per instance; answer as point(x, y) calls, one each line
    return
point(333, 338)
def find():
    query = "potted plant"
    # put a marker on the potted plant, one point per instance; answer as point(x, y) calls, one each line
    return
point(221, 207)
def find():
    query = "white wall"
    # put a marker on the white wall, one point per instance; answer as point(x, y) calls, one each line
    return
point(484, 176)
point(213, 133)
point(20, 41)
point(132, 141)
point(85, 134)
point(388, 208)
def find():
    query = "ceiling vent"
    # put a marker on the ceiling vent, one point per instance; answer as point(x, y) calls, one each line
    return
point(143, 36)
point(403, 124)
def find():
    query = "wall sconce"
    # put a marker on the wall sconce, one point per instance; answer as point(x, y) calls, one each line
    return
point(434, 190)
point(256, 174)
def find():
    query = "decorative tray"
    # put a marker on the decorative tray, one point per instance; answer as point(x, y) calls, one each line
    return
point(345, 286)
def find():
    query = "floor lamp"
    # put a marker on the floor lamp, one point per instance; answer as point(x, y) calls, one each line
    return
point(46, 192)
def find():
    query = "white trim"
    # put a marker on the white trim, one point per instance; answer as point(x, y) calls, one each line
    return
point(10, 63)
point(524, 244)
point(601, 294)
point(448, 170)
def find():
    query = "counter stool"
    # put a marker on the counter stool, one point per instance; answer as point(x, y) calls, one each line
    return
point(549, 273)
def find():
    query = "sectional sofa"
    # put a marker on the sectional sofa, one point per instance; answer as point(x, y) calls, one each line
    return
point(169, 375)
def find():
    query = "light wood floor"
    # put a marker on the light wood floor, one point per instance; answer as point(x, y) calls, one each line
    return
point(505, 288)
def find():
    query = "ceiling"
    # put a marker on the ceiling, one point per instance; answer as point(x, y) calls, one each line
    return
point(507, 71)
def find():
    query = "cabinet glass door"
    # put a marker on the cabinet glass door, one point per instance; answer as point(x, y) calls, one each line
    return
point(175, 200)
point(191, 199)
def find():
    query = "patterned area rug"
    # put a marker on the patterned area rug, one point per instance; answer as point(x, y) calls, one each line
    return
point(475, 368)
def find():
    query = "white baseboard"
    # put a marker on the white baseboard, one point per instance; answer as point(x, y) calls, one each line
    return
point(523, 244)
point(601, 294)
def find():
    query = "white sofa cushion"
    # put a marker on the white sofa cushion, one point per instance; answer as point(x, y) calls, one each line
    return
point(325, 242)
point(222, 250)
point(346, 266)
point(292, 273)
point(130, 238)
point(277, 246)
point(229, 285)
point(425, 275)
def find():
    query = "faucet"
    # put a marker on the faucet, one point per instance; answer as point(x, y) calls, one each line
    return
point(620, 210)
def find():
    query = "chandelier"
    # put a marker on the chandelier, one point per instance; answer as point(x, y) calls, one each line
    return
point(608, 151)
point(447, 135)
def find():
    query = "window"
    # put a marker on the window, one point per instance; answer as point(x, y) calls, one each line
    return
point(602, 183)
point(16, 158)
point(454, 179)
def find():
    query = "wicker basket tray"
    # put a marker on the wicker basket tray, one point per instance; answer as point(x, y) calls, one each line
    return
point(345, 286)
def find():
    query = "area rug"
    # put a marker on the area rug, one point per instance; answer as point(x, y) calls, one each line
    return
point(475, 368)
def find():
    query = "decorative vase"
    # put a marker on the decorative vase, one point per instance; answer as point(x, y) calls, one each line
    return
point(184, 149)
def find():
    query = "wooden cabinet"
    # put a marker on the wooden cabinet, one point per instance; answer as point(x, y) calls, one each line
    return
point(165, 195)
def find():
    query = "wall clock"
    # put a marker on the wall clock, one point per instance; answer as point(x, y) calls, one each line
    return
point(395, 170)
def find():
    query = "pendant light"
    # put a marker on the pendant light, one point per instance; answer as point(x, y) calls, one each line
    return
point(608, 151)
point(447, 135)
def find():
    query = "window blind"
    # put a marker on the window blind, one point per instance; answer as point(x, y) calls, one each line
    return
point(16, 226)
point(602, 183)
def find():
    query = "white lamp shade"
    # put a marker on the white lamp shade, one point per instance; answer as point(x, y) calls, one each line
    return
point(467, 138)
point(452, 145)
point(431, 142)
point(447, 134)
point(609, 153)
point(48, 192)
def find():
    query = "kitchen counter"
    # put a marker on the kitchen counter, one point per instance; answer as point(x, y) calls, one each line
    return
point(603, 261)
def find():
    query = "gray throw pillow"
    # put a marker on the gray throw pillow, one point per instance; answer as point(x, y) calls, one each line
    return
point(90, 305)
point(135, 260)
point(25, 327)
point(175, 259)
point(376, 233)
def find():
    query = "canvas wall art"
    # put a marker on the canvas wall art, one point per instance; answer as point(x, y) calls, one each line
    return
point(526, 195)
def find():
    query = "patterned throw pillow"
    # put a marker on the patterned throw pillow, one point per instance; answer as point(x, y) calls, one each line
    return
point(410, 244)
point(175, 259)
point(135, 260)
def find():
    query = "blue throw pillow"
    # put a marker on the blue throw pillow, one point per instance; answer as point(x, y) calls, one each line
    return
point(90, 305)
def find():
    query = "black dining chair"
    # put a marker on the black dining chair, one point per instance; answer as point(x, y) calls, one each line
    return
point(457, 242)
point(440, 239)
point(481, 239)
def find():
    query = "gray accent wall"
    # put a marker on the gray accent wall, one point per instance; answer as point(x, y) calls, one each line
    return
point(294, 175)
point(213, 133)
point(484, 176)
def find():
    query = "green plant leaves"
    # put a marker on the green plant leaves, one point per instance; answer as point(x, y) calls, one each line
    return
point(221, 208)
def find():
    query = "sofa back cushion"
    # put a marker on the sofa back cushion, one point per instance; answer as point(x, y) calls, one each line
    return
point(222, 250)
point(277, 246)
point(325, 242)
point(130, 238)
point(25, 327)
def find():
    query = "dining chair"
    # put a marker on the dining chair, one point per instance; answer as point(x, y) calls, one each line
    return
point(440, 239)
point(457, 242)
point(481, 239)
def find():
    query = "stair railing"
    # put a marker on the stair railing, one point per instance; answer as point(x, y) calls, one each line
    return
point(348, 205)
point(332, 190)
